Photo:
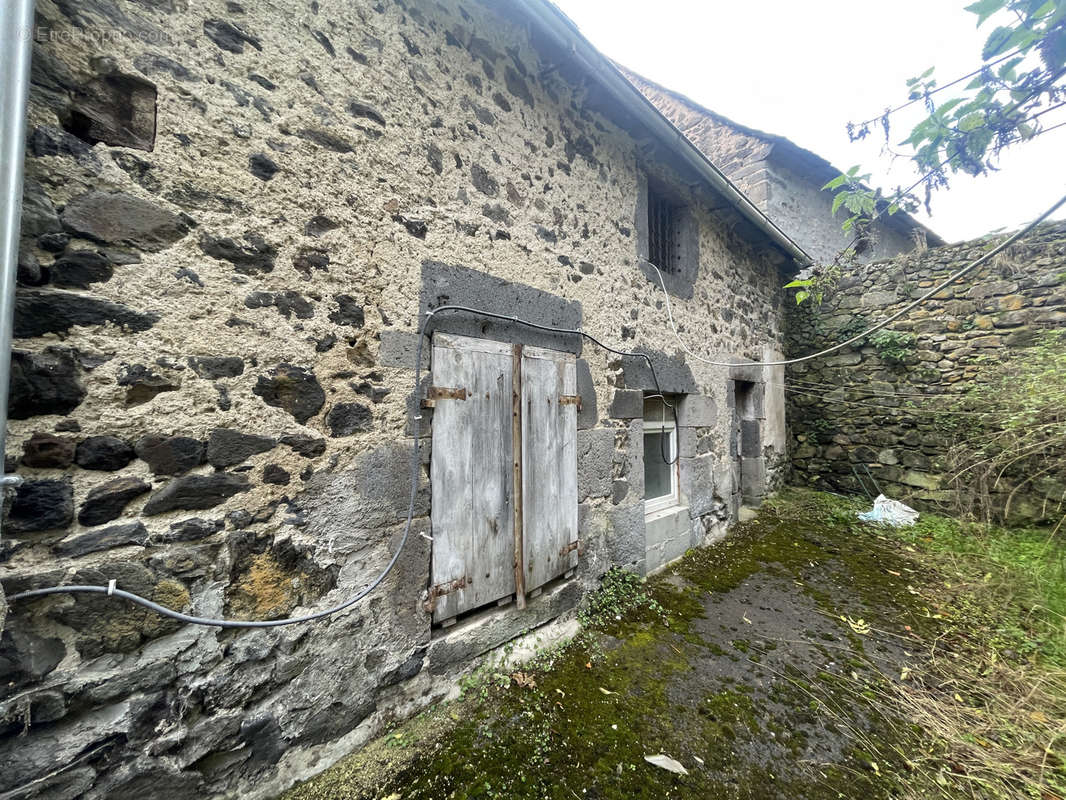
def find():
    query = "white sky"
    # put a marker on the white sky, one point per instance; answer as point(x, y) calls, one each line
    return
point(804, 68)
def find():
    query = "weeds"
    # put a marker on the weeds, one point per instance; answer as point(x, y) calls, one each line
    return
point(1015, 442)
point(622, 594)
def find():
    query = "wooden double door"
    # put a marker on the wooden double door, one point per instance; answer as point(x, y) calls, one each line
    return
point(503, 471)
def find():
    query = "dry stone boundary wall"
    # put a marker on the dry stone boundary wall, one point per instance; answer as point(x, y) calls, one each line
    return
point(889, 408)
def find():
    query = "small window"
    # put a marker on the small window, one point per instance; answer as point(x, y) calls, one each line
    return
point(662, 231)
point(661, 488)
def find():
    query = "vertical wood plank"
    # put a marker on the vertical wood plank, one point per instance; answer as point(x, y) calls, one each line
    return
point(549, 463)
point(519, 491)
point(473, 539)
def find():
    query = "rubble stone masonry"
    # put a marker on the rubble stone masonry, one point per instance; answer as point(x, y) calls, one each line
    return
point(893, 409)
point(234, 213)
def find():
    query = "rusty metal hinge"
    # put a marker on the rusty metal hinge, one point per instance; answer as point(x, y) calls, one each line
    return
point(570, 400)
point(574, 545)
point(435, 393)
point(443, 588)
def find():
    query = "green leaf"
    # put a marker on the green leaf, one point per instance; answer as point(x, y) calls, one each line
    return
point(1045, 9)
point(997, 42)
point(799, 283)
point(1006, 71)
point(971, 121)
point(1022, 39)
point(950, 104)
point(801, 296)
point(985, 9)
point(837, 181)
point(836, 203)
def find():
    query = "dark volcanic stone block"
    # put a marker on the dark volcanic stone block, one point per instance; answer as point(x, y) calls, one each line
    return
point(104, 453)
point(47, 451)
point(40, 311)
point(294, 389)
point(102, 539)
point(170, 455)
point(106, 502)
point(194, 492)
point(44, 383)
point(120, 218)
point(227, 447)
point(41, 506)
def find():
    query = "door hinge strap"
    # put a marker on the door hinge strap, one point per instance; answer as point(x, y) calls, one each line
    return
point(443, 588)
point(569, 548)
point(570, 400)
point(435, 393)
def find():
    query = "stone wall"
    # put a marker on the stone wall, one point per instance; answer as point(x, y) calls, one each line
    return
point(233, 216)
point(891, 408)
point(798, 203)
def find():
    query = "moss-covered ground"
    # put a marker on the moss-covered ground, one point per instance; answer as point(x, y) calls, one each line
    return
point(808, 656)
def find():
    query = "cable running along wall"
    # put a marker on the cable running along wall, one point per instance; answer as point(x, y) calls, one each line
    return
point(111, 590)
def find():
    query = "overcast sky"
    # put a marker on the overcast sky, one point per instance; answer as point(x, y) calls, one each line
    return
point(804, 68)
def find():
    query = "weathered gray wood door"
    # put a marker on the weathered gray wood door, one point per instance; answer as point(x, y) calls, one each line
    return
point(549, 464)
point(471, 475)
point(501, 525)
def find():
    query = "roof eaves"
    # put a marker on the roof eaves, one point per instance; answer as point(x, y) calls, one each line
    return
point(555, 24)
point(786, 150)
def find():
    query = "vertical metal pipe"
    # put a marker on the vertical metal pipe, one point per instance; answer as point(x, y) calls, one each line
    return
point(16, 41)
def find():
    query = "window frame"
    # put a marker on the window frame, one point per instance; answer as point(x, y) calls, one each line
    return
point(673, 499)
point(664, 222)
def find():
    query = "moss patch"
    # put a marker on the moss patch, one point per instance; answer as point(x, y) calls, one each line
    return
point(263, 591)
point(775, 665)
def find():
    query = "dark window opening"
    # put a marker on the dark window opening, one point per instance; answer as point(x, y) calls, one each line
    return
point(744, 396)
point(662, 231)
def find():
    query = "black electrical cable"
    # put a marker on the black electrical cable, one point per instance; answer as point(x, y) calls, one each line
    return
point(111, 590)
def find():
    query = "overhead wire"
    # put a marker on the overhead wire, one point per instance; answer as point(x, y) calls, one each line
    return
point(111, 589)
point(874, 328)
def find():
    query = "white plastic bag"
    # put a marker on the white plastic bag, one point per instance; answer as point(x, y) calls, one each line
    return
point(890, 512)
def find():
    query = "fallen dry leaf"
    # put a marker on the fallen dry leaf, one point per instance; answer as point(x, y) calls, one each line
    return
point(524, 680)
point(665, 762)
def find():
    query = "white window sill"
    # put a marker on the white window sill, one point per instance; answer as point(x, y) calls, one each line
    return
point(663, 513)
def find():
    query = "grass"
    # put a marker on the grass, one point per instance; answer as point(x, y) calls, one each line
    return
point(926, 662)
point(990, 691)
point(1018, 573)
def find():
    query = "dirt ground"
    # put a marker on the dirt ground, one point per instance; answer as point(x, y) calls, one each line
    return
point(765, 666)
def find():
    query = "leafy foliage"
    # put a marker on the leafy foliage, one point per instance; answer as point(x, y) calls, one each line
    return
point(621, 594)
point(893, 346)
point(1015, 437)
point(1004, 102)
point(1020, 80)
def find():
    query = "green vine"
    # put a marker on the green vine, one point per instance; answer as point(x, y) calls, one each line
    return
point(893, 347)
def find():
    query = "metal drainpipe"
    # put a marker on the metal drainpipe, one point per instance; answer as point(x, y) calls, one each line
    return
point(16, 41)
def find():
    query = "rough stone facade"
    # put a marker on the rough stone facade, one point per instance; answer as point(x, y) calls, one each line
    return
point(891, 408)
point(783, 180)
point(234, 214)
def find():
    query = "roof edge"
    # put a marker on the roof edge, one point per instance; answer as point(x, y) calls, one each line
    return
point(555, 24)
point(788, 149)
